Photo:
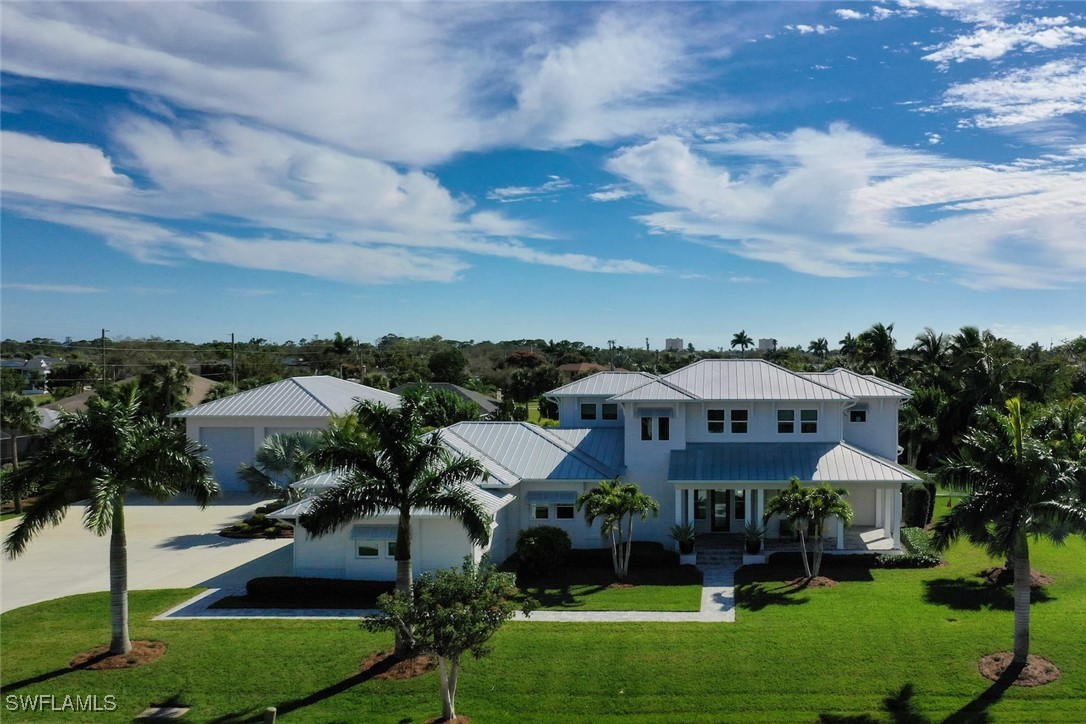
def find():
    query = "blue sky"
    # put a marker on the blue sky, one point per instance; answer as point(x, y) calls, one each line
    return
point(566, 170)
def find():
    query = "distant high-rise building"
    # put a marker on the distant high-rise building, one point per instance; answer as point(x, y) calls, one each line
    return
point(674, 344)
point(767, 345)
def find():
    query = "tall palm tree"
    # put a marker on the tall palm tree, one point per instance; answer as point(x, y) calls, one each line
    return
point(99, 456)
point(824, 502)
point(281, 460)
point(18, 413)
point(1017, 490)
point(742, 340)
point(794, 504)
point(165, 388)
point(819, 348)
point(848, 346)
point(877, 350)
point(930, 355)
point(615, 504)
point(390, 466)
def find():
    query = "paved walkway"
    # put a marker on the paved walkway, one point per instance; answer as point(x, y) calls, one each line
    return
point(717, 605)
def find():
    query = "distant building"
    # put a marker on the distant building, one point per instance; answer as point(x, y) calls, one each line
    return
point(674, 344)
point(767, 345)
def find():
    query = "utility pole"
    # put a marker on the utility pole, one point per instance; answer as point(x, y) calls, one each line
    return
point(104, 355)
point(234, 361)
point(611, 345)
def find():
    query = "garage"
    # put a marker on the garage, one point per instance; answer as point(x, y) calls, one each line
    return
point(228, 448)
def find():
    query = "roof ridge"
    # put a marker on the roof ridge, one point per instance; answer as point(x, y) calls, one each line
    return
point(665, 383)
point(307, 391)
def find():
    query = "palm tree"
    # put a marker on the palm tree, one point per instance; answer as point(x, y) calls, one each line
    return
point(824, 502)
point(742, 341)
point(877, 350)
point(1017, 490)
point(930, 354)
point(165, 388)
point(794, 504)
point(390, 466)
point(819, 348)
point(18, 413)
point(615, 504)
point(99, 456)
point(848, 346)
point(282, 459)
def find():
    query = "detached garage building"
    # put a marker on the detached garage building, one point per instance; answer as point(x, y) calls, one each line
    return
point(234, 427)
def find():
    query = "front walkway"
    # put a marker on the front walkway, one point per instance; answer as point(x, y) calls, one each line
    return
point(717, 605)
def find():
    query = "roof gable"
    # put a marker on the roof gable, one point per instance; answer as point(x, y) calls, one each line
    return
point(602, 384)
point(752, 379)
point(319, 396)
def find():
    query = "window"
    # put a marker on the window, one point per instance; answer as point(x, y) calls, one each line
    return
point(786, 422)
point(646, 428)
point(390, 548)
point(541, 512)
point(588, 411)
point(367, 550)
point(739, 421)
point(808, 421)
point(563, 512)
point(716, 421)
point(857, 415)
point(701, 504)
point(664, 425)
point(610, 411)
point(740, 497)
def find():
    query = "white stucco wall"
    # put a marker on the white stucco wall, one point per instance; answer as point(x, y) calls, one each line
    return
point(879, 435)
point(762, 423)
point(569, 412)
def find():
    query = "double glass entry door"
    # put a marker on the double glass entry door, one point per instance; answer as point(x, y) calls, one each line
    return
point(727, 509)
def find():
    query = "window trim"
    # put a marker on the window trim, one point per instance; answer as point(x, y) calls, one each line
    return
point(584, 406)
point(711, 423)
point(663, 428)
point(789, 420)
point(808, 423)
point(853, 421)
point(560, 507)
point(538, 508)
point(646, 428)
point(607, 407)
point(745, 422)
point(375, 545)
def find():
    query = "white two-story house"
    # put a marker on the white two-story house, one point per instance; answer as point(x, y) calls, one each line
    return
point(712, 442)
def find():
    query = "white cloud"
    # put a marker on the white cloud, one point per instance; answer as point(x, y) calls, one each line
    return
point(841, 203)
point(934, 139)
point(611, 192)
point(808, 29)
point(994, 41)
point(848, 14)
point(55, 288)
point(1025, 95)
point(551, 187)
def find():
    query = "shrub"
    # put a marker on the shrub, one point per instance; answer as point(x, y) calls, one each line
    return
point(914, 511)
point(542, 549)
point(918, 540)
point(921, 553)
point(646, 554)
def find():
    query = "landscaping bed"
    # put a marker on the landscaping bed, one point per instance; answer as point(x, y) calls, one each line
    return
point(272, 592)
point(259, 525)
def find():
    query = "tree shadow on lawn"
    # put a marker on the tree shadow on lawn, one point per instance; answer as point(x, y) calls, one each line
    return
point(962, 594)
point(557, 591)
point(292, 705)
point(899, 706)
point(775, 583)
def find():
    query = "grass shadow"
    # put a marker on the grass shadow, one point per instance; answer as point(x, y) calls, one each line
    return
point(40, 678)
point(569, 587)
point(976, 711)
point(961, 594)
point(756, 596)
point(900, 706)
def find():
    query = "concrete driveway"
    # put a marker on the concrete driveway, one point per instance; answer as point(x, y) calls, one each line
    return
point(170, 545)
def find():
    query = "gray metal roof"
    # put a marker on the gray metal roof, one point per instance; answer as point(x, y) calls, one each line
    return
point(778, 462)
point(857, 385)
point(655, 391)
point(739, 379)
point(602, 384)
point(528, 451)
point(490, 501)
point(316, 397)
point(606, 444)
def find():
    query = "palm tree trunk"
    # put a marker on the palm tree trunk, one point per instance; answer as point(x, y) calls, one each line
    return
point(803, 550)
point(616, 555)
point(629, 547)
point(1021, 599)
point(404, 579)
point(118, 582)
point(16, 488)
point(818, 546)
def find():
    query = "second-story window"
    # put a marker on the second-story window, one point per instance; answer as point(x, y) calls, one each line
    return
point(588, 411)
point(716, 421)
point(646, 428)
point(664, 426)
point(786, 422)
point(610, 411)
point(808, 421)
point(857, 415)
point(740, 418)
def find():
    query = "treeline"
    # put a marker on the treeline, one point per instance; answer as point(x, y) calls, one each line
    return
point(951, 374)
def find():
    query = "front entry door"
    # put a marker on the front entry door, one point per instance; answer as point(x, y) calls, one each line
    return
point(721, 520)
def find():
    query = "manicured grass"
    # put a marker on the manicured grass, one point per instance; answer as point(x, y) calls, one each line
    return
point(793, 656)
point(6, 516)
point(676, 588)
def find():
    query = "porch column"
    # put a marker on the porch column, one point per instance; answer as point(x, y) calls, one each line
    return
point(888, 520)
point(840, 534)
point(896, 520)
point(879, 493)
point(679, 507)
point(690, 495)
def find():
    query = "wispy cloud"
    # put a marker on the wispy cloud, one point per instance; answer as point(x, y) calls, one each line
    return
point(1025, 95)
point(998, 39)
point(250, 293)
point(551, 187)
point(611, 192)
point(809, 29)
point(55, 288)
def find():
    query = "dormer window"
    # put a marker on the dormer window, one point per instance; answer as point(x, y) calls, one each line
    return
point(610, 411)
point(588, 411)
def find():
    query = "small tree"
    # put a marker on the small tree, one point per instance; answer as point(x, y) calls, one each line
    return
point(451, 612)
point(281, 460)
point(615, 504)
point(823, 503)
point(794, 505)
point(18, 414)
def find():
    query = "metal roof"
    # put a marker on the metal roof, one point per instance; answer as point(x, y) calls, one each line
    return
point(528, 451)
point(490, 501)
point(602, 384)
point(606, 444)
point(738, 379)
point(777, 462)
point(857, 385)
point(655, 391)
point(317, 397)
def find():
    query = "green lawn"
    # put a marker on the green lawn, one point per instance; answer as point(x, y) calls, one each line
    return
point(677, 588)
point(794, 656)
point(6, 516)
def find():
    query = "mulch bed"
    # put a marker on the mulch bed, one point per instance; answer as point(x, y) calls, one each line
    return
point(402, 669)
point(1005, 577)
point(813, 582)
point(99, 659)
point(1037, 672)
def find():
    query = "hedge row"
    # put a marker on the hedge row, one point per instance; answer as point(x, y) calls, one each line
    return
point(921, 553)
point(290, 592)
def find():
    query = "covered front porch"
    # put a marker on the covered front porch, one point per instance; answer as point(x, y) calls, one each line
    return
point(858, 539)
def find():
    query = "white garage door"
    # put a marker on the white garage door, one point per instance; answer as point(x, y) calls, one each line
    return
point(228, 447)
